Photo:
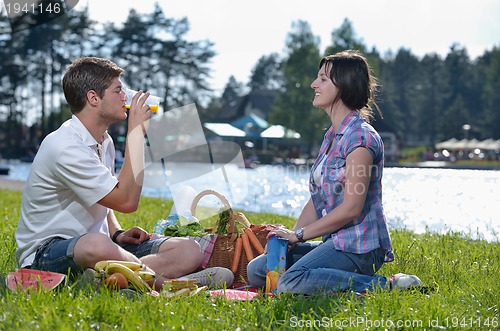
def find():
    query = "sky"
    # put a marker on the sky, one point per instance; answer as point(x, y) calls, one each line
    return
point(243, 31)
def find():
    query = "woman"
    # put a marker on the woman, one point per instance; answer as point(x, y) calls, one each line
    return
point(345, 207)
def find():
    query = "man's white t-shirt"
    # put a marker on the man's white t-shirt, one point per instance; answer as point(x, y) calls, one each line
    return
point(69, 174)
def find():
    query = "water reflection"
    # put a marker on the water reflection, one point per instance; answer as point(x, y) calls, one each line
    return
point(444, 199)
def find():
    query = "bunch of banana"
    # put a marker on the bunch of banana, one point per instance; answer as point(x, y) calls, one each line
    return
point(136, 273)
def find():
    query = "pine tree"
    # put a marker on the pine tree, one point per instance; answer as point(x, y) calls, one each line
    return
point(293, 106)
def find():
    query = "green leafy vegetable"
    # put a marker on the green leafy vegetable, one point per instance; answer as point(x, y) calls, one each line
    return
point(194, 229)
point(223, 221)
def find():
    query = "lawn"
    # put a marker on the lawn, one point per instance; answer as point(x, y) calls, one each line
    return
point(464, 275)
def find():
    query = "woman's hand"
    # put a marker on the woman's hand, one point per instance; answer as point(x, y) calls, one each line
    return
point(133, 236)
point(285, 234)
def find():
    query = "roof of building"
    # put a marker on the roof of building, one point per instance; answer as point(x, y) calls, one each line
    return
point(250, 120)
point(259, 99)
point(224, 130)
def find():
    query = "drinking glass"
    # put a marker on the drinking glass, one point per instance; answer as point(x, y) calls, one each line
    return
point(152, 101)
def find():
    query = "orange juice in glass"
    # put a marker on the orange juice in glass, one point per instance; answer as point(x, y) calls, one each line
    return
point(152, 101)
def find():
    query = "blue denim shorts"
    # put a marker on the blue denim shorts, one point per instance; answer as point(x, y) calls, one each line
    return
point(56, 254)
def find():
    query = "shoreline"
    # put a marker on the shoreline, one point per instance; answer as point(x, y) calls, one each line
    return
point(13, 185)
point(442, 165)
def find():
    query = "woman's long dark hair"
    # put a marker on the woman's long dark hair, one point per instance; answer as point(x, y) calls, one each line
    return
point(351, 74)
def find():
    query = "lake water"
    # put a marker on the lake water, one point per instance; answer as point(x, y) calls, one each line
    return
point(418, 199)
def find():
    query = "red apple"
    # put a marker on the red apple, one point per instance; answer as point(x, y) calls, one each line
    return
point(116, 280)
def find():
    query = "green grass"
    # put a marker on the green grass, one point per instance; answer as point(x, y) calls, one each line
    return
point(413, 154)
point(465, 275)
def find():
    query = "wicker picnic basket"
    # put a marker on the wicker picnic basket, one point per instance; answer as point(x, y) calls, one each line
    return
point(224, 248)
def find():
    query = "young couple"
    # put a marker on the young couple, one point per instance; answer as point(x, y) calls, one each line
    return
point(67, 220)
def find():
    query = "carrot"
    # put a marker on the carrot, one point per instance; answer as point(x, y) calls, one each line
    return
point(254, 241)
point(247, 247)
point(237, 254)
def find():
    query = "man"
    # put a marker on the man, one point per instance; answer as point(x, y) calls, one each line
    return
point(67, 220)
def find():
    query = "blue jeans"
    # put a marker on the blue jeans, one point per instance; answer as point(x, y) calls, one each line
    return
point(56, 254)
point(318, 267)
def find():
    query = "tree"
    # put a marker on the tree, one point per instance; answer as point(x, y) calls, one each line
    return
point(13, 77)
point(157, 57)
point(31, 75)
point(293, 106)
point(432, 92)
point(267, 74)
point(400, 77)
point(345, 38)
point(458, 80)
point(39, 57)
point(232, 91)
point(454, 117)
point(489, 82)
point(79, 39)
point(422, 100)
point(134, 47)
point(218, 105)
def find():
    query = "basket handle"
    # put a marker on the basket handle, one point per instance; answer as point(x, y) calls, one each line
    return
point(232, 226)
